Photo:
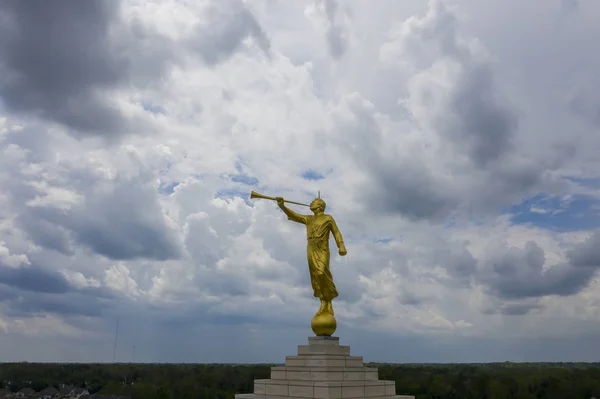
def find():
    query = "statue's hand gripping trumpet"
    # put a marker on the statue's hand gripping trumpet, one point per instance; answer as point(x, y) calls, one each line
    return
point(318, 227)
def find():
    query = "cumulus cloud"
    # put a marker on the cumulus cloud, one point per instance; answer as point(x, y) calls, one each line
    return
point(114, 212)
point(466, 127)
point(328, 14)
point(232, 23)
point(523, 273)
point(43, 75)
point(69, 62)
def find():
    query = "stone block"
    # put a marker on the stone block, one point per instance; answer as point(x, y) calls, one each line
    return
point(325, 392)
point(374, 390)
point(304, 373)
point(277, 388)
point(323, 361)
point(278, 373)
point(390, 388)
point(330, 341)
point(260, 387)
point(301, 391)
point(354, 375)
point(353, 391)
point(295, 361)
point(248, 396)
point(296, 373)
point(326, 374)
point(323, 350)
point(371, 374)
point(353, 361)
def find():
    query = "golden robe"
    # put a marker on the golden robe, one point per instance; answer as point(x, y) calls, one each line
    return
point(318, 228)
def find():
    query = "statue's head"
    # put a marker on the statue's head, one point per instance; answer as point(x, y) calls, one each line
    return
point(317, 205)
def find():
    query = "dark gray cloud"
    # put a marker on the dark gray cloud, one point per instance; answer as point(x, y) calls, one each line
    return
point(515, 273)
point(196, 314)
point(233, 22)
point(476, 119)
point(124, 233)
point(64, 305)
point(121, 220)
point(396, 184)
point(123, 224)
point(118, 218)
point(337, 37)
point(513, 309)
point(221, 284)
point(56, 56)
point(519, 309)
point(586, 254)
point(483, 169)
point(34, 278)
point(60, 59)
point(515, 278)
point(458, 262)
point(585, 103)
point(409, 189)
point(34, 290)
point(45, 233)
point(473, 118)
point(350, 290)
point(410, 299)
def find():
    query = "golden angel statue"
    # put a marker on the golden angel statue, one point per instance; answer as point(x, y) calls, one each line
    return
point(318, 228)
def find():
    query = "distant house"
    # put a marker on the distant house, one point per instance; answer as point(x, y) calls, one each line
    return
point(47, 393)
point(65, 390)
point(78, 393)
point(71, 392)
point(98, 396)
point(5, 393)
point(25, 393)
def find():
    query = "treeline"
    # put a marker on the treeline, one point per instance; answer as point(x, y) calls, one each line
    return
point(496, 380)
point(425, 381)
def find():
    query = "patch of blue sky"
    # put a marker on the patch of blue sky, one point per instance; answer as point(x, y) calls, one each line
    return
point(560, 213)
point(153, 108)
point(452, 221)
point(243, 177)
point(312, 175)
point(167, 188)
point(230, 194)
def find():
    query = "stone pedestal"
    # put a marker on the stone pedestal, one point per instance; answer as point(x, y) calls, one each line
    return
point(323, 370)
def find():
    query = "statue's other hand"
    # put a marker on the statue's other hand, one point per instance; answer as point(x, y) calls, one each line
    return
point(343, 251)
point(279, 201)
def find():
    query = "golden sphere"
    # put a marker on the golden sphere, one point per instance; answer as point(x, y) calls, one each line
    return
point(323, 325)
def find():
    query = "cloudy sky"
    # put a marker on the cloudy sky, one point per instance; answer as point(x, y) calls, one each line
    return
point(455, 142)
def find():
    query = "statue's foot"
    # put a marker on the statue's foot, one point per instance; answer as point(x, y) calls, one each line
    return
point(322, 309)
point(329, 308)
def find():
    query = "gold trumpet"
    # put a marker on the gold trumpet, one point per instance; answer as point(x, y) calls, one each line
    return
point(254, 194)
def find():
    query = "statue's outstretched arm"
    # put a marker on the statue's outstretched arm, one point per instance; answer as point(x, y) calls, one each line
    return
point(293, 216)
